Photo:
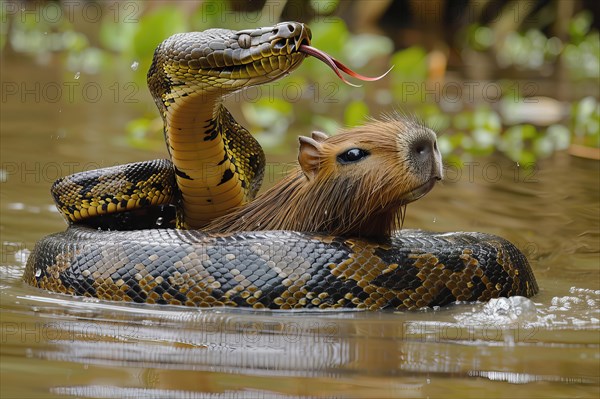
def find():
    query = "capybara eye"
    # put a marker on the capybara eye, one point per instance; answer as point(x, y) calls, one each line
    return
point(352, 155)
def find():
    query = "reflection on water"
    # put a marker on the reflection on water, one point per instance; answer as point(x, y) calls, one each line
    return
point(124, 350)
point(56, 346)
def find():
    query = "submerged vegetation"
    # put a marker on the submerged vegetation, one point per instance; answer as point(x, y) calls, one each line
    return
point(476, 116)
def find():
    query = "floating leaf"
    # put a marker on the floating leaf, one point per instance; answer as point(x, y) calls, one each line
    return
point(560, 137)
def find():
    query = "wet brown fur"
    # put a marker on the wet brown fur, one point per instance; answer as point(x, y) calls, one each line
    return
point(356, 199)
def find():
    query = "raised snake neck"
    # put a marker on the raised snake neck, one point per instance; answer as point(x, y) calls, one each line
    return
point(218, 164)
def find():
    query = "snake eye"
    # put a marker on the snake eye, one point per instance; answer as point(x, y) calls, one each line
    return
point(245, 41)
point(352, 155)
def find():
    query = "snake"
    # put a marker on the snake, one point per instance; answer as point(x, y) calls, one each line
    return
point(136, 230)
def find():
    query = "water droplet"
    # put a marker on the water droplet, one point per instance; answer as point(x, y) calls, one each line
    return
point(159, 221)
point(518, 165)
point(135, 65)
point(434, 220)
point(38, 272)
point(77, 75)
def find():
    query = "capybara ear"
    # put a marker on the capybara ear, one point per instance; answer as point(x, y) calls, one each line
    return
point(309, 156)
point(319, 136)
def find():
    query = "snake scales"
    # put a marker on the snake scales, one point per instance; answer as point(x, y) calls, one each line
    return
point(215, 166)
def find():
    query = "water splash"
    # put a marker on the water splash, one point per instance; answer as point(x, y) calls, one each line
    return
point(513, 308)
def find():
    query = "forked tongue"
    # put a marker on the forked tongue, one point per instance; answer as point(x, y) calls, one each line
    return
point(337, 65)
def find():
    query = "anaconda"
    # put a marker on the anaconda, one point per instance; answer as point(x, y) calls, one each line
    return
point(214, 173)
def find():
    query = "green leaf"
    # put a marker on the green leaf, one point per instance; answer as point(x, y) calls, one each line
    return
point(463, 120)
point(484, 138)
point(409, 74)
point(543, 146)
point(156, 27)
point(356, 113)
point(483, 38)
point(410, 64)
point(325, 124)
point(445, 145)
point(559, 136)
point(330, 35)
point(144, 133)
point(117, 37)
point(360, 49)
point(580, 25)
point(324, 6)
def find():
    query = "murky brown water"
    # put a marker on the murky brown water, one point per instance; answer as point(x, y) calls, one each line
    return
point(57, 346)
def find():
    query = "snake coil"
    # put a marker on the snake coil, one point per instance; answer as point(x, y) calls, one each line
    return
point(215, 166)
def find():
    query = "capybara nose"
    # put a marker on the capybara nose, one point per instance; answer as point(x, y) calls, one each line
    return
point(426, 156)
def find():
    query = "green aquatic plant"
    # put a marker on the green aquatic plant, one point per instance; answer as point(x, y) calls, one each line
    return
point(585, 122)
point(533, 50)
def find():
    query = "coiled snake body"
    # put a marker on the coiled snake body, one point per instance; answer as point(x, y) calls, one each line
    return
point(216, 165)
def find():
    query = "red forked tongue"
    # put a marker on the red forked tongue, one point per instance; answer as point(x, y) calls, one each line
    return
point(337, 65)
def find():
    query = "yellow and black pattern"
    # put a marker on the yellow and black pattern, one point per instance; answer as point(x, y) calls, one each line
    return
point(280, 270)
point(115, 189)
point(218, 164)
point(243, 152)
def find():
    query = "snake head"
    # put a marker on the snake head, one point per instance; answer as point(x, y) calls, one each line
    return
point(220, 61)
